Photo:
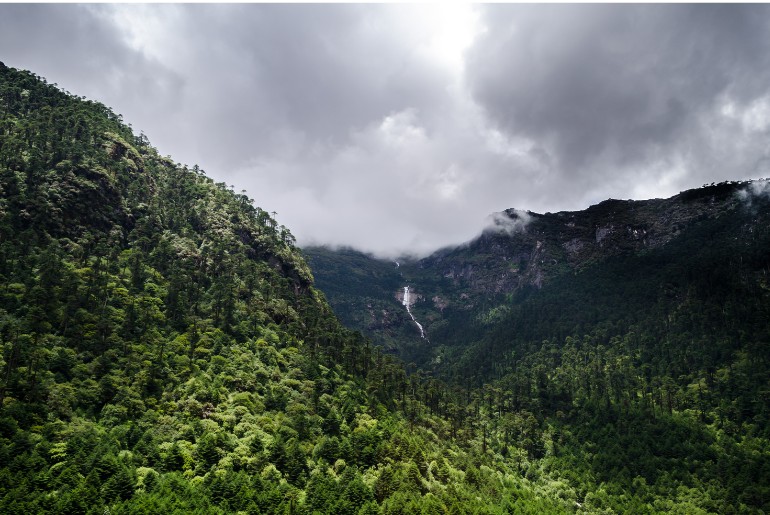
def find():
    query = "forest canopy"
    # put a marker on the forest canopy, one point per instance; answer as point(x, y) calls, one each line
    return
point(164, 349)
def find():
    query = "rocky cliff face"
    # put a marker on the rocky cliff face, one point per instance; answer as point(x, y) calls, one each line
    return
point(529, 249)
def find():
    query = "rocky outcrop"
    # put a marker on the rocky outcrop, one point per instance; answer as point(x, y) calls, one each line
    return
point(546, 245)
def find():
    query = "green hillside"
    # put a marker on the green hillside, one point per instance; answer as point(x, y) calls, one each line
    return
point(639, 328)
point(165, 350)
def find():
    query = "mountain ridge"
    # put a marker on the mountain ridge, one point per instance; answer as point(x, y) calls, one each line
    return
point(609, 227)
point(523, 250)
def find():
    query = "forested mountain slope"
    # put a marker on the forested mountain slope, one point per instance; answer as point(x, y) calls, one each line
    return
point(164, 349)
point(640, 326)
point(555, 275)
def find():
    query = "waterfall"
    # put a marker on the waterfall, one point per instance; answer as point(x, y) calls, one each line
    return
point(405, 302)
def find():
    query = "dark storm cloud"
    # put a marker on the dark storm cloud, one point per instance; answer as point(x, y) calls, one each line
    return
point(617, 85)
point(312, 73)
point(323, 69)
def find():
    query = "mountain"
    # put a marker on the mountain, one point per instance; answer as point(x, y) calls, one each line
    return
point(640, 326)
point(164, 348)
point(464, 292)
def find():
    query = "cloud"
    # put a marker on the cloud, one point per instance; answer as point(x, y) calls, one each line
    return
point(760, 188)
point(76, 47)
point(399, 128)
point(609, 90)
point(258, 74)
point(508, 222)
point(398, 186)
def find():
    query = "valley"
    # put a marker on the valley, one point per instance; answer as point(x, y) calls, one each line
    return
point(165, 347)
point(479, 283)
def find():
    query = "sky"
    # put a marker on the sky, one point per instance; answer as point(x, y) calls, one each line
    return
point(401, 128)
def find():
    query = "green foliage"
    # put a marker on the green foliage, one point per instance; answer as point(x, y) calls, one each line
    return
point(163, 348)
point(629, 373)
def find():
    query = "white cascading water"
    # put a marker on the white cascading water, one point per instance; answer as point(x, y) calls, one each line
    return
point(405, 302)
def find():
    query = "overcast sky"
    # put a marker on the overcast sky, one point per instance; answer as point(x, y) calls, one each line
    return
point(397, 128)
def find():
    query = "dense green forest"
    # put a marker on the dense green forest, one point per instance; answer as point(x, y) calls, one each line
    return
point(651, 356)
point(164, 349)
